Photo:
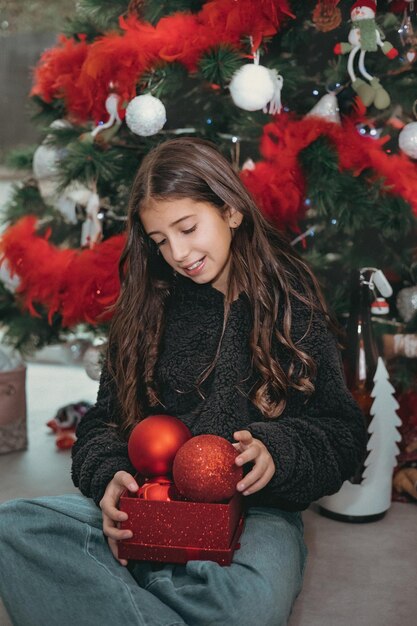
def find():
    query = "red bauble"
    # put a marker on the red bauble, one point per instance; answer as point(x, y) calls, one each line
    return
point(205, 469)
point(154, 442)
point(159, 489)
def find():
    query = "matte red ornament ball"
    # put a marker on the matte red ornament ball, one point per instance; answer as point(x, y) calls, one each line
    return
point(154, 442)
point(205, 470)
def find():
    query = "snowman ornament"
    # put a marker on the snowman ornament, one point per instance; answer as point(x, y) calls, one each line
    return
point(365, 36)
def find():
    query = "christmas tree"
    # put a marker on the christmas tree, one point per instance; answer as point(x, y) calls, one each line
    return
point(320, 127)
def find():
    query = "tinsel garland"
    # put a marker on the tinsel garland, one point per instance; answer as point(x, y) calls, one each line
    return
point(81, 73)
point(80, 284)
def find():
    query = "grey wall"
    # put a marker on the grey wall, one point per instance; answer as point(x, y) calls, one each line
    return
point(19, 53)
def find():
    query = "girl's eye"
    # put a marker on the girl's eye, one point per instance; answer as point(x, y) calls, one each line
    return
point(186, 232)
point(190, 230)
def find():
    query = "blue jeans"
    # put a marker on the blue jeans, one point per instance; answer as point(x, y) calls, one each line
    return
point(56, 569)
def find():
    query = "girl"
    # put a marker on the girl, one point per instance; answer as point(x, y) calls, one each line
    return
point(220, 324)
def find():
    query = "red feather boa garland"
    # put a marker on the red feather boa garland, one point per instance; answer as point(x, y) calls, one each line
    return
point(79, 284)
point(278, 185)
point(80, 73)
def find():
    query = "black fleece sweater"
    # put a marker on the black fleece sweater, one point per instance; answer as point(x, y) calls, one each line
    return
point(316, 443)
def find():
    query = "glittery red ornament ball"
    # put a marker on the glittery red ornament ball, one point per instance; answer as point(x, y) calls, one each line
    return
point(154, 442)
point(205, 470)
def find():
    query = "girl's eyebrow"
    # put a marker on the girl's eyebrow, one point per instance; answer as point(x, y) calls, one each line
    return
point(155, 232)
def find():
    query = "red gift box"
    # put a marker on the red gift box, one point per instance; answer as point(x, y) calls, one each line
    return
point(179, 531)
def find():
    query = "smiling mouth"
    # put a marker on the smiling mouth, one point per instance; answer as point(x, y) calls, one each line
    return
point(195, 268)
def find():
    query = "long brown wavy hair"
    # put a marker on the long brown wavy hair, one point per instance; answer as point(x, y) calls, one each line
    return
point(263, 265)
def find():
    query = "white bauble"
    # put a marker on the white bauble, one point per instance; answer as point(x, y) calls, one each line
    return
point(93, 360)
point(145, 115)
point(327, 108)
point(407, 140)
point(252, 87)
point(45, 162)
point(407, 302)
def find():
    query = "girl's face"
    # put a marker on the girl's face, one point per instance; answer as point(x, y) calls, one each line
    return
point(193, 237)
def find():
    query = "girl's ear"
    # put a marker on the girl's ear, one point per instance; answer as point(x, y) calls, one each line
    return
point(234, 217)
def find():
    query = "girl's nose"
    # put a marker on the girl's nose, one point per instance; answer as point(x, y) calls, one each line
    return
point(179, 250)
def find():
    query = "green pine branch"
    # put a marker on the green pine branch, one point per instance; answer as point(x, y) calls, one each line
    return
point(104, 14)
point(153, 10)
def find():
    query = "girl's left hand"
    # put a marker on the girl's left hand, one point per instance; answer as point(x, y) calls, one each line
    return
point(264, 467)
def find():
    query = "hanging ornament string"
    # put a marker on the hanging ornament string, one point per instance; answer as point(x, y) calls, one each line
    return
point(254, 87)
point(112, 105)
point(92, 229)
point(275, 105)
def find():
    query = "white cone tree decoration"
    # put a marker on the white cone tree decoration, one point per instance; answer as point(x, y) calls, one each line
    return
point(373, 495)
point(327, 108)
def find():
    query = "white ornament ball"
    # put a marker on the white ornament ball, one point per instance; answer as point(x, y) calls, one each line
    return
point(252, 87)
point(327, 108)
point(93, 361)
point(407, 302)
point(145, 115)
point(45, 162)
point(407, 140)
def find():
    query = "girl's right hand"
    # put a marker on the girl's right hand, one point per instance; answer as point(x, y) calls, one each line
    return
point(111, 514)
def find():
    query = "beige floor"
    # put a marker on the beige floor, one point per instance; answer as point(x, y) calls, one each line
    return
point(357, 575)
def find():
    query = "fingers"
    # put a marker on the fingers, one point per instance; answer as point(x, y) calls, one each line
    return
point(110, 500)
point(125, 480)
point(257, 478)
point(111, 514)
point(245, 439)
point(243, 436)
point(112, 530)
point(115, 552)
point(253, 450)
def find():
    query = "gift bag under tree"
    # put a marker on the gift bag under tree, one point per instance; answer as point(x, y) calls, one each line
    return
point(13, 433)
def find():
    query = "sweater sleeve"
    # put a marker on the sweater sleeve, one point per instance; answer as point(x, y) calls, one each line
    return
point(99, 451)
point(321, 444)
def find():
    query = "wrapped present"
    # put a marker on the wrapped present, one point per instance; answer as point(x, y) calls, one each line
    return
point(177, 531)
point(13, 432)
point(187, 507)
